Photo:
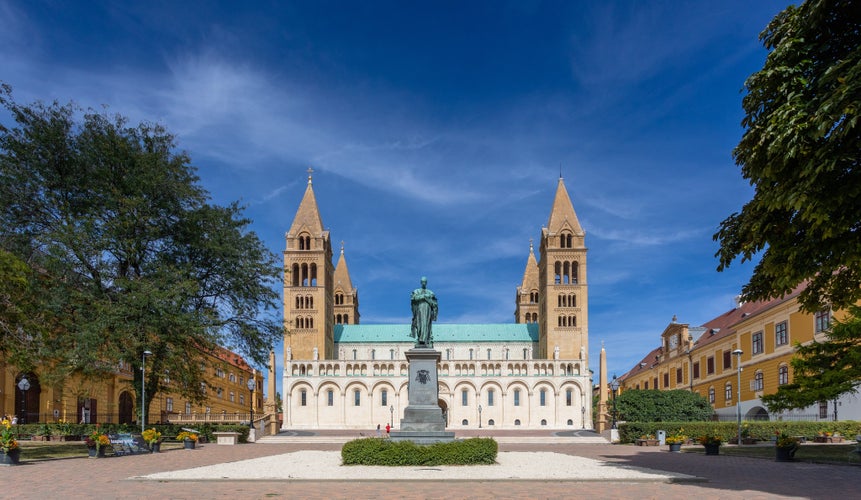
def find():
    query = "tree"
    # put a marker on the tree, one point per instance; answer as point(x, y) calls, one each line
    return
point(121, 251)
point(800, 151)
point(823, 371)
point(662, 406)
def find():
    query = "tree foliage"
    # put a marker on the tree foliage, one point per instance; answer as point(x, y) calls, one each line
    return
point(800, 151)
point(823, 370)
point(662, 406)
point(115, 249)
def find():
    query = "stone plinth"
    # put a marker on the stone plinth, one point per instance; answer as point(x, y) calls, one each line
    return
point(423, 421)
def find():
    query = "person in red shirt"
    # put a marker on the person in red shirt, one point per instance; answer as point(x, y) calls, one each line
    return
point(388, 429)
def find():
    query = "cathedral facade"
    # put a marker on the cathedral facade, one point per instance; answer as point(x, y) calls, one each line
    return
point(530, 374)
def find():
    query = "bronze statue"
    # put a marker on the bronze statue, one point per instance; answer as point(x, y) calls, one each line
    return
point(425, 308)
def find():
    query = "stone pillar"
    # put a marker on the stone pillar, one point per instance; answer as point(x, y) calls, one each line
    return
point(603, 413)
point(423, 421)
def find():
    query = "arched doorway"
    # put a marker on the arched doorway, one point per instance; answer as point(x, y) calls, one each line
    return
point(444, 408)
point(127, 406)
point(757, 413)
point(27, 402)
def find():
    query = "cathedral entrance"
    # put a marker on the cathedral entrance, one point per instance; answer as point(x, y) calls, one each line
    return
point(444, 408)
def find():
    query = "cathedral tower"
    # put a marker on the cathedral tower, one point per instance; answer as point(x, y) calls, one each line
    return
point(563, 321)
point(308, 285)
point(526, 310)
point(346, 297)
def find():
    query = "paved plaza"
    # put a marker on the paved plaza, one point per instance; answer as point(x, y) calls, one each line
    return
point(667, 475)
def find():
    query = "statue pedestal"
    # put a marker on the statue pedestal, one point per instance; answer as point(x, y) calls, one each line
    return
point(423, 421)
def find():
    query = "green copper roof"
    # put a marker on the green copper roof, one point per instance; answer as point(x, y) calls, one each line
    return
point(442, 332)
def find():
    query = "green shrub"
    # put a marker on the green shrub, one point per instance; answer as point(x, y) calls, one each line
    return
point(761, 430)
point(375, 451)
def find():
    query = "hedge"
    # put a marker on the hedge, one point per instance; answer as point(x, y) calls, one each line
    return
point(168, 431)
point(376, 451)
point(761, 430)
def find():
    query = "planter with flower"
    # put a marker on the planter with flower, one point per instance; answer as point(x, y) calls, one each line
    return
point(153, 439)
point(42, 433)
point(785, 447)
point(647, 440)
point(676, 440)
point(712, 443)
point(97, 443)
point(11, 452)
point(828, 437)
point(188, 438)
point(62, 431)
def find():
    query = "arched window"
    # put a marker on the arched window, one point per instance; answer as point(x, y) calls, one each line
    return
point(566, 273)
point(491, 422)
point(728, 392)
point(757, 381)
point(543, 421)
point(783, 375)
point(570, 422)
point(711, 395)
point(295, 273)
point(517, 421)
point(304, 398)
point(542, 397)
point(574, 272)
point(309, 302)
point(464, 422)
point(573, 299)
point(557, 271)
point(346, 319)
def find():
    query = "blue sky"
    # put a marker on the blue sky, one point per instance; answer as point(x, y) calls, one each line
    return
point(437, 132)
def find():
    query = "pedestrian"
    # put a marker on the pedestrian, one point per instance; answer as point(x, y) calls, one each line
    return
point(379, 434)
point(15, 420)
point(388, 430)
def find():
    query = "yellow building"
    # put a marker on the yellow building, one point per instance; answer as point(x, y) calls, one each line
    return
point(758, 337)
point(113, 399)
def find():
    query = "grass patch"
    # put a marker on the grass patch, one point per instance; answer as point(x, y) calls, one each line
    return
point(376, 451)
point(808, 452)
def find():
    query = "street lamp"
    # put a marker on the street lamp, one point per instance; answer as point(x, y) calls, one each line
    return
point(251, 384)
point(23, 386)
point(582, 417)
point(615, 386)
point(143, 390)
point(392, 411)
point(738, 353)
point(479, 416)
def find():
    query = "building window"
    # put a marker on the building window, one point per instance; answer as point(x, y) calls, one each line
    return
point(646, 385)
point(517, 421)
point(679, 376)
point(354, 355)
point(168, 402)
point(756, 342)
point(568, 397)
point(448, 354)
point(357, 398)
point(823, 409)
point(330, 397)
point(696, 369)
point(666, 380)
point(525, 353)
point(384, 398)
point(712, 395)
point(543, 397)
point(516, 398)
point(187, 408)
point(242, 399)
point(373, 354)
point(490, 397)
point(780, 334)
point(728, 392)
point(232, 397)
point(488, 354)
point(710, 365)
point(783, 375)
point(757, 381)
point(391, 354)
point(464, 398)
point(823, 320)
point(470, 354)
point(304, 398)
point(727, 360)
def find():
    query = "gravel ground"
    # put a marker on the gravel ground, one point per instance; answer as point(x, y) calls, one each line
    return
point(317, 465)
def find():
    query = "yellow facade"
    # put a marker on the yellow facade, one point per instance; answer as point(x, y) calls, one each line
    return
point(702, 360)
point(112, 399)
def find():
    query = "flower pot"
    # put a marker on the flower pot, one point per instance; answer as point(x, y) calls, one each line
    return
point(11, 457)
point(189, 444)
point(96, 452)
point(155, 447)
point(784, 453)
point(675, 447)
point(712, 449)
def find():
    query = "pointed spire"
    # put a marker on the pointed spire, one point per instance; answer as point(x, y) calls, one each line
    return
point(530, 274)
point(342, 274)
point(562, 213)
point(308, 215)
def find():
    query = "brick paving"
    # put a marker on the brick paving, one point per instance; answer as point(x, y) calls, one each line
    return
point(727, 477)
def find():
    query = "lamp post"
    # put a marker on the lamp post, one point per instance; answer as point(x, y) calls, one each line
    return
point(392, 412)
point(738, 353)
point(615, 386)
point(582, 417)
point(251, 384)
point(479, 416)
point(143, 389)
point(23, 386)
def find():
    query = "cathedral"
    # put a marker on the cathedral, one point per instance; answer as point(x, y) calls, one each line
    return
point(529, 374)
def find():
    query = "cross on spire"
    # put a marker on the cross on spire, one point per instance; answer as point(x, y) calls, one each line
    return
point(310, 171)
